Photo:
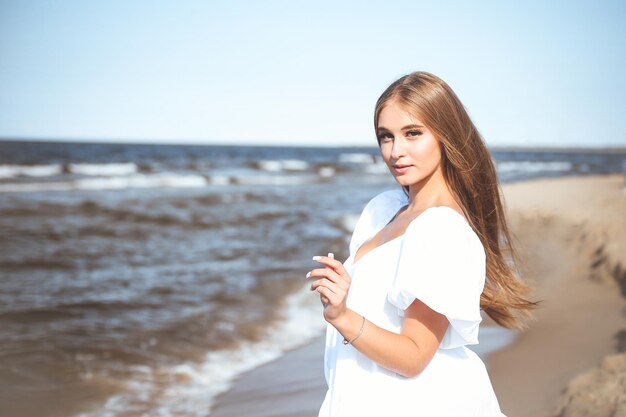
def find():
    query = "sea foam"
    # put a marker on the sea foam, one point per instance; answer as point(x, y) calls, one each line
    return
point(108, 169)
point(192, 388)
point(12, 171)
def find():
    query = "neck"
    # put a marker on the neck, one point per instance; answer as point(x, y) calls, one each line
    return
point(431, 191)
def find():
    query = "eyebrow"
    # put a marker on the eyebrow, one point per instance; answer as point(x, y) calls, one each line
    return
point(407, 127)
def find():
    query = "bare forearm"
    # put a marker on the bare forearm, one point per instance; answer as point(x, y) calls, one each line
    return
point(393, 351)
point(407, 353)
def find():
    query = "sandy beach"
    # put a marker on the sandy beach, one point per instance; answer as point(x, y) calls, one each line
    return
point(570, 233)
point(570, 236)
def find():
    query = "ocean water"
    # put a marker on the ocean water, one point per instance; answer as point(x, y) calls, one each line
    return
point(140, 280)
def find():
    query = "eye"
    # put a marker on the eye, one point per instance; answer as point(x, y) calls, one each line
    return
point(385, 137)
point(414, 133)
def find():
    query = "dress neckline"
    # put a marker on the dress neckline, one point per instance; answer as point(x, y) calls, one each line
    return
point(375, 248)
point(355, 261)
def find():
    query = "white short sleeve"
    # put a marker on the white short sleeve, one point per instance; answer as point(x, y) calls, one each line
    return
point(442, 263)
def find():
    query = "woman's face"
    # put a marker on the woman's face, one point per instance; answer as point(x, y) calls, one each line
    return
point(408, 147)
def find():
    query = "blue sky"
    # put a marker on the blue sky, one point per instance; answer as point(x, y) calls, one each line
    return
point(293, 72)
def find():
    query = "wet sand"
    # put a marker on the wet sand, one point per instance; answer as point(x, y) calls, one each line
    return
point(570, 234)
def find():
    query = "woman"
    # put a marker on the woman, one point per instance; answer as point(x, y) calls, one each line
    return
point(424, 260)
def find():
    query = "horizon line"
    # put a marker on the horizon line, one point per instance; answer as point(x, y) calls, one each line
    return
point(190, 142)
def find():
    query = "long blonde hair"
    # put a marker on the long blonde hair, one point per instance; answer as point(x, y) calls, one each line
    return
point(471, 176)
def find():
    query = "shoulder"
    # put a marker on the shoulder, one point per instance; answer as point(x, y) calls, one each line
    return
point(440, 215)
point(444, 226)
point(440, 243)
point(386, 200)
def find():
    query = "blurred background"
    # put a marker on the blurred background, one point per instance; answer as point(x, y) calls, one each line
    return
point(167, 170)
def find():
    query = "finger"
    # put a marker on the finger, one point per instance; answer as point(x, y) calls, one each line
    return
point(323, 272)
point(331, 275)
point(332, 298)
point(334, 264)
point(328, 261)
point(336, 289)
point(326, 283)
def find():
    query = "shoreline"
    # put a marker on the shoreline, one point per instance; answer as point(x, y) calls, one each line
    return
point(568, 231)
point(290, 386)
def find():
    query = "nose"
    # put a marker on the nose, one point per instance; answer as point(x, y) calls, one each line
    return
point(398, 149)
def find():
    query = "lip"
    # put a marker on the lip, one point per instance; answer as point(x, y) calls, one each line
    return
point(400, 168)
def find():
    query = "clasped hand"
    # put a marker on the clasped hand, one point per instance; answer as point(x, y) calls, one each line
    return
point(332, 283)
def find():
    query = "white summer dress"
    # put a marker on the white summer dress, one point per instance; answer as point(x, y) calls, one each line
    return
point(440, 261)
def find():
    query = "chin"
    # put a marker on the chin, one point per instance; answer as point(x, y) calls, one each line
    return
point(408, 181)
point(405, 182)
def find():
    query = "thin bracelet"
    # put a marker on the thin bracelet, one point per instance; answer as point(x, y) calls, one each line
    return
point(346, 342)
